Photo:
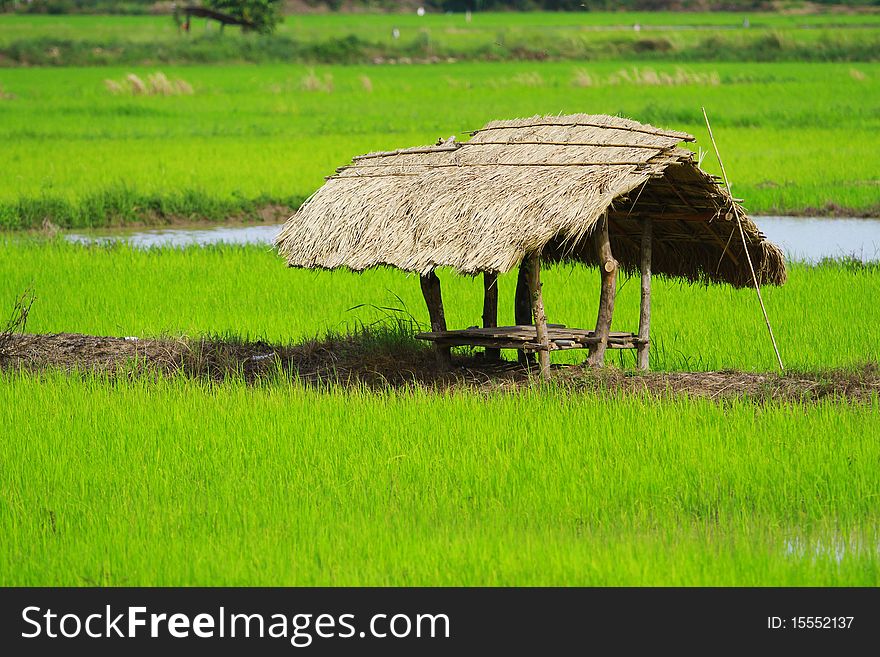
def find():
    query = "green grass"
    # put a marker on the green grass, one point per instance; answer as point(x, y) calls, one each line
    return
point(142, 480)
point(153, 481)
point(819, 316)
point(99, 40)
point(794, 136)
point(318, 27)
point(156, 482)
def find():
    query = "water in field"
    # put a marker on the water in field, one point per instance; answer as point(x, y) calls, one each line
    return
point(180, 236)
point(811, 239)
point(802, 238)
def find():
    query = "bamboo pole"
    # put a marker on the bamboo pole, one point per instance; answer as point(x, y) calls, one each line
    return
point(645, 304)
point(608, 269)
point(522, 308)
point(543, 336)
point(490, 310)
point(434, 300)
point(737, 211)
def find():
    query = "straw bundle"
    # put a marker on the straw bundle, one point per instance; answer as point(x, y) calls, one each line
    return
point(523, 186)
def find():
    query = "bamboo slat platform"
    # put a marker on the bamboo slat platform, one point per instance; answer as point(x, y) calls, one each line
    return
point(525, 338)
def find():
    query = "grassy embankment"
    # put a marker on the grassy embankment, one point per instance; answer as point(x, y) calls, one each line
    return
point(795, 137)
point(340, 38)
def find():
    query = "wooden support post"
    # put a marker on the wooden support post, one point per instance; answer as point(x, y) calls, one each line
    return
point(534, 272)
point(645, 306)
point(522, 306)
point(434, 301)
point(608, 269)
point(490, 310)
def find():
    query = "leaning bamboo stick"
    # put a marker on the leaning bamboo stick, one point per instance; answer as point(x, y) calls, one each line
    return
point(737, 212)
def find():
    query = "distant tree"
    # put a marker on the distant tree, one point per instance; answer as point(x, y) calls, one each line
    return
point(263, 14)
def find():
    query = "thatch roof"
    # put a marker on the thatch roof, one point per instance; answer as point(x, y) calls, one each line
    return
point(529, 185)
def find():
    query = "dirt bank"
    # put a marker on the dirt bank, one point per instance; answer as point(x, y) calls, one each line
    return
point(378, 361)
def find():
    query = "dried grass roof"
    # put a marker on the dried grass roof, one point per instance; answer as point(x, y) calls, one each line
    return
point(522, 186)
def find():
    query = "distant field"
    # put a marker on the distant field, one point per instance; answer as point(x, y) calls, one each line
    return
point(358, 38)
point(450, 26)
point(794, 136)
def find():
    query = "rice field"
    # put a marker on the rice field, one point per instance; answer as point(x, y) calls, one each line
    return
point(795, 137)
point(819, 315)
point(139, 479)
point(318, 27)
point(152, 481)
point(361, 38)
point(158, 482)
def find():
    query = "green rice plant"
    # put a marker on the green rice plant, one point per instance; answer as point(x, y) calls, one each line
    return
point(79, 156)
point(94, 40)
point(818, 315)
point(177, 482)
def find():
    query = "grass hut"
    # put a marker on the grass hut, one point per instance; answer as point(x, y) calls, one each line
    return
point(601, 190)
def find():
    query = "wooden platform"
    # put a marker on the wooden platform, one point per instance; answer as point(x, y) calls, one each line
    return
point(525, 338)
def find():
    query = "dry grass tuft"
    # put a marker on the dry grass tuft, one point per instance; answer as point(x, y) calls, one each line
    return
point(532, 79)
point(135, 85)
point(366, 84)
point(583, 79)
point(856, 74)
point(157, 84)
point(16, 323)
point(650, 78)
point(312, 82)
point(646, 77)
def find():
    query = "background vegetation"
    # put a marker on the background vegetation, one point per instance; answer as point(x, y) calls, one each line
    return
point(83, 147)
point(355, 38)
point(152, 6)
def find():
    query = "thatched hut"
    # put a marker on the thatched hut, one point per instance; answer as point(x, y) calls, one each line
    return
point(597, 189)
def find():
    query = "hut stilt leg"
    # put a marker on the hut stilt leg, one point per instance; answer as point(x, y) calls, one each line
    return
point(434, 301)
point(534, 271)
point(522, 306)
point(608, 268)
point(490, 309)
point(645, 306)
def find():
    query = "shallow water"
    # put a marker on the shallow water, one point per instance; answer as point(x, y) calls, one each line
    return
point(834, 547)
point(811, 238)
point(807, 239)
point(179, 236)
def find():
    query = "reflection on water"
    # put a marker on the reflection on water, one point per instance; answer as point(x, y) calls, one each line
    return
point(811, 239)
point(833, 547)
point(179, 236)
point(802, 238)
